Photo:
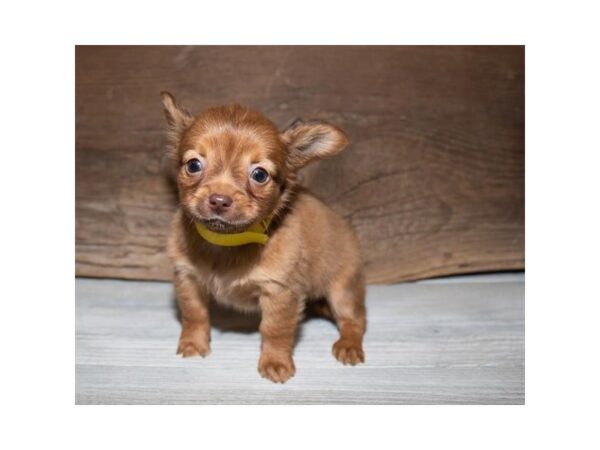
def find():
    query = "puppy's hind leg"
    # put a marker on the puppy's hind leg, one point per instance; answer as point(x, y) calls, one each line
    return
point(347, 300)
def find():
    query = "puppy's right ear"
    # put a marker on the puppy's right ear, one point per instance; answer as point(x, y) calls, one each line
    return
point(177, 118)
point(311, 140)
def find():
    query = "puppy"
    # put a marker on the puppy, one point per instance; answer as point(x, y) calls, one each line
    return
point(248, 236)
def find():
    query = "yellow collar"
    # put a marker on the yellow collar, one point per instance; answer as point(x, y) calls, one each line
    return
point(256, 234)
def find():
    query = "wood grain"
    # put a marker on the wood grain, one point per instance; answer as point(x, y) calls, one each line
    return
point(433, 181)
point(435, 342)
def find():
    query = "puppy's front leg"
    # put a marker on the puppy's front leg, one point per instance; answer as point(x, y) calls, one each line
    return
point(281, 312)
point(193, 304)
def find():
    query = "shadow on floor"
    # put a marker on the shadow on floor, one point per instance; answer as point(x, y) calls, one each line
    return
point(229, 320)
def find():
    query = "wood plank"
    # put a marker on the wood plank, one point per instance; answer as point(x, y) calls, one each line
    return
point(454, 342)
point(433, 181)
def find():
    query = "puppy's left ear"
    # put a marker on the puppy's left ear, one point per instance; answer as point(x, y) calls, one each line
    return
point(177, 117)
point(312, 140)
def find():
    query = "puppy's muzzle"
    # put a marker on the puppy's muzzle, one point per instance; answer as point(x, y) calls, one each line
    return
point(219, 203)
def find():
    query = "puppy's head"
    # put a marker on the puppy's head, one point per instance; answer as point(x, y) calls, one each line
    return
point(234, 168)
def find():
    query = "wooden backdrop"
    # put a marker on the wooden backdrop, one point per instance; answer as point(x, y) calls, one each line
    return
point(433, 181)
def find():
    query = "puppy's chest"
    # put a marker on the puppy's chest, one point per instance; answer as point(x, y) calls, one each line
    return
point(237, 291)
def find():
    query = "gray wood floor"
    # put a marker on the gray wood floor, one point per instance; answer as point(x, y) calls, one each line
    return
point(446, 341)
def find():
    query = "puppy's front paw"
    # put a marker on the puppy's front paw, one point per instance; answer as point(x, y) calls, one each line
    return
point(276, 368)
point(188, 348)
point(348, 352)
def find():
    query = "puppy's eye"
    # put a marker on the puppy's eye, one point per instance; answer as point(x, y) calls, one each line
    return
point(193, 166)
point(259, 175)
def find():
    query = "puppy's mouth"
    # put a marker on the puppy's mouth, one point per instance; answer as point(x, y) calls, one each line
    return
point(223, 226)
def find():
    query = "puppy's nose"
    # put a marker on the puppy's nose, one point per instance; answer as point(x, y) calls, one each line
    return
point(219, 202)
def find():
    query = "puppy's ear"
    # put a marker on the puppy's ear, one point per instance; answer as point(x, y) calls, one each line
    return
point(312, 140)
point(177, 118)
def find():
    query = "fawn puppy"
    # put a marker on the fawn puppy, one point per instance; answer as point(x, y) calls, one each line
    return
point(246, 235)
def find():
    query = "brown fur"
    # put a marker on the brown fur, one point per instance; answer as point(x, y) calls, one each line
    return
point(312, 252)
